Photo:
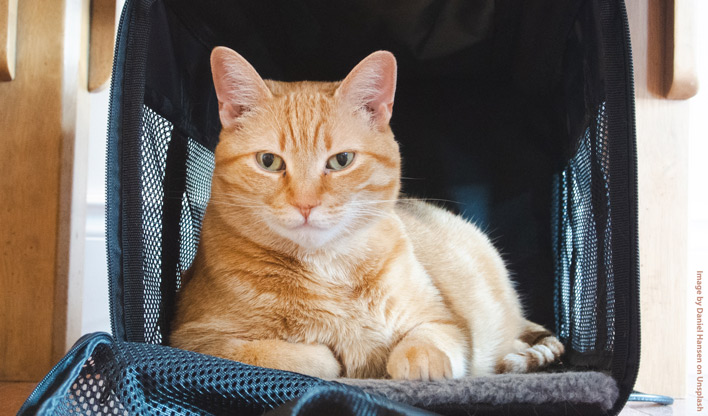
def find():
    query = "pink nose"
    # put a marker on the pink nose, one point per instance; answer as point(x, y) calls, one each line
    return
point(305, 209)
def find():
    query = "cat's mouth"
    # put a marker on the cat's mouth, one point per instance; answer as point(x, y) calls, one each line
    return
point(308, 235)
point(308, 226)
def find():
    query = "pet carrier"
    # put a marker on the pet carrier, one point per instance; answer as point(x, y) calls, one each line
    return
point(519, 112)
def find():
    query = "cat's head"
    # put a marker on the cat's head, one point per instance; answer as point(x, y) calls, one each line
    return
point(305, 162)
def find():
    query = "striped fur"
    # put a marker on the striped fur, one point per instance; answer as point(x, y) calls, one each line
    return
point(536, 348)
point(328, 272)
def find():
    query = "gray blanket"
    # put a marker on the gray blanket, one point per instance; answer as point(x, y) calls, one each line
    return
point(536, 388)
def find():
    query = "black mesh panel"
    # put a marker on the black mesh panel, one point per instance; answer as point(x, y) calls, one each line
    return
point(141, 379)
point(582, 242)
point(200, 165)
point(156, 136)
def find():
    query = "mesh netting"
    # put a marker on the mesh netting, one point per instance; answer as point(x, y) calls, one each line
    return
point(143, 379)
point(156, 136)
point(200, 165)
point(101, 377)
point(582, 243)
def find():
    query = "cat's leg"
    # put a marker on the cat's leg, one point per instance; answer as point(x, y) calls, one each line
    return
point(315, 360)
point(536, 348)
point(430, 351)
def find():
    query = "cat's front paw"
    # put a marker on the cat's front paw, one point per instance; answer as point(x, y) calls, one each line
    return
point(419, 362)
point(322, 363)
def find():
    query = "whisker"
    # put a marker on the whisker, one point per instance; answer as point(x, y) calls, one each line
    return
point(403, 200)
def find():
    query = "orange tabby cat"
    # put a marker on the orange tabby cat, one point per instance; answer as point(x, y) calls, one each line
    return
point(308, 261)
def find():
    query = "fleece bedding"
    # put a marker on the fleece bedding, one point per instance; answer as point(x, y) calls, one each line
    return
point(588, 387)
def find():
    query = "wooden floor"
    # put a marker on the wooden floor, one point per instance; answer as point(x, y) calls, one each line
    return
point(12, 395)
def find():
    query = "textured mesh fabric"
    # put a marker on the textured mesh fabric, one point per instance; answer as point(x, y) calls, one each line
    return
point(200, 165)
point(100, 377)
point(155, 138)
point(141, 379)
point(155, 135)
point(583, 244)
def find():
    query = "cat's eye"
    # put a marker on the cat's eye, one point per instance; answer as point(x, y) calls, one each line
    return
point(269, 161)
point(340, 161)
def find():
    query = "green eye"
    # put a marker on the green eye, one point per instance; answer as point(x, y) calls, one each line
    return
point(340, 161)
point(271, 162)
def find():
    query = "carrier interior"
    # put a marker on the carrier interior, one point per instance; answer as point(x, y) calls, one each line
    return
point(496, 104)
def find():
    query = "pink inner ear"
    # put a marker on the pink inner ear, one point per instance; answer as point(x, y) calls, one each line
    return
point(372, 84)
point(229, 113)
point(238, 86)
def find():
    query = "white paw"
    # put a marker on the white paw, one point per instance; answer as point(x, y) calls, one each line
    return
point(321, 364)
point(419, 362)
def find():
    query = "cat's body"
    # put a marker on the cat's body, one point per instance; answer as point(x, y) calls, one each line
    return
point(308, 263)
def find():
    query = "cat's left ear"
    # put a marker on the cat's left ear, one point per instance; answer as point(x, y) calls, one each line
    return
point(372, 85)
point(238, 86)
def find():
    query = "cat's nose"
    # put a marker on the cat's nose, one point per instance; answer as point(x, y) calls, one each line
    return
point(305, 209)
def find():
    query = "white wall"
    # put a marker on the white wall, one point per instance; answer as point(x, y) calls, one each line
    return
point(698, 217)
point(95, 315)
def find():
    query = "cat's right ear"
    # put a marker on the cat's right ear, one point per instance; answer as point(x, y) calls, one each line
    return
point(371, 85)
point(238, 85)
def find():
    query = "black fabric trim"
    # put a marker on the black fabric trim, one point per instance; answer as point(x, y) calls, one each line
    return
point(132, 104)
point(174, 187)
point(623, 195)
point(114, 226)
point(178, 82)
